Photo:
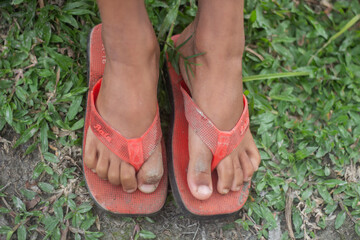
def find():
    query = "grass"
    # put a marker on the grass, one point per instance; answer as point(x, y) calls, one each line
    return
point(301, 71)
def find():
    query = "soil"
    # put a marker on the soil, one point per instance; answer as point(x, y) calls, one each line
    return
point(17, 170)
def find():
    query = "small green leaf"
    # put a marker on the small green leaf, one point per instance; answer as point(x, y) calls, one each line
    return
point(63, 61)
point(26, 135)
point(50, 157)
point(340, 218)
point(324, 193)
point(4, 210)
point(74, 108)
point(50, 223)
point(38, 170)
point(169, 19)
point(9, 235)
point(46, 187)
point(21, 232)
point(18, 204)
point(150, 220)
point(83, 208)
point(77, 237)
point(21, 94)
point(306, 194)
point(8, 114)
point(80, 12)
point(44, 142)
point(297, 221)
point(28, 194)
point(5, 84)
point(147, 234)
point(5, 229)
point(69, 19)
point(16, 2)
point(85, 225)
point(46, 33)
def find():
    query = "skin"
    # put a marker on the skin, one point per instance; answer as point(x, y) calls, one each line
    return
point(131, 74)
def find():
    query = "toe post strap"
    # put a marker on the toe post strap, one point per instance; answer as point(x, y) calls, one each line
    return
point(221, 143)
point(134, 151)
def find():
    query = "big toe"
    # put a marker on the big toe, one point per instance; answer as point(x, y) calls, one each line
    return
point(199, 169)
point(151, 172)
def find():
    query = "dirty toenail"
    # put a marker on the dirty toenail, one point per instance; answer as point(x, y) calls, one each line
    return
point(147, 188)
point(93, 170)
point(236, 189)
point(205, 190)
point(130, 191)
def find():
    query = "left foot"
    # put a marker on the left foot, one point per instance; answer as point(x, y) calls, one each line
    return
point(217, 89)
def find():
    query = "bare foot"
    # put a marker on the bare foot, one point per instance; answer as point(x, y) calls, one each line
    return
point(217, 89)
point(128, 102)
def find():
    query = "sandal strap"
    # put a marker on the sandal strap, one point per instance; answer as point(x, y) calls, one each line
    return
point(221, 143)
point(135, 150)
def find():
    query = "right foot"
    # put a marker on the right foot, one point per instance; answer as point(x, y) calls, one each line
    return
point(217, 89)
point(128, 102)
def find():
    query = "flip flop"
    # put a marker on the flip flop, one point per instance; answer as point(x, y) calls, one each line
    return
point(221, 143)
point(135, 151)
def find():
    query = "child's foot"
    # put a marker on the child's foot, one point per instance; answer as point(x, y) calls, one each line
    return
point(128, 102)
point(217, 89)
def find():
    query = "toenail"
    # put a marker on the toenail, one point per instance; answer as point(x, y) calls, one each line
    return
point(248, 179)
point(205, 190)
point(237, 189)
point(225, 191)
point(93, 170)
point(147, 188)
point(130, 191)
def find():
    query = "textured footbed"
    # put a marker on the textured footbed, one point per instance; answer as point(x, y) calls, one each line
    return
point(110, 197)
point(217, 205)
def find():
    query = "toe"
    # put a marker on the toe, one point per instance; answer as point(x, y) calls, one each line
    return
point(102, 165)
point(127, 177)
point(246, 166)
point(238, 176)
point(114, 171)
point(254, 156)
point(199, 170)
point(225, 171)
point(90, 154)
point(151, 172)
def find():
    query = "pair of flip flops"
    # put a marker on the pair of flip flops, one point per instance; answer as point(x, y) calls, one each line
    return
point(136, 151)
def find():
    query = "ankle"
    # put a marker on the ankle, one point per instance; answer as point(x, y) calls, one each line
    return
point(223, 47)
point(137, 47)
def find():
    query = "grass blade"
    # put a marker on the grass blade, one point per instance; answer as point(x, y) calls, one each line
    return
point(274, 75)
point(169, 20)
point(195, 55)
point(183, 43)
point(342, 30)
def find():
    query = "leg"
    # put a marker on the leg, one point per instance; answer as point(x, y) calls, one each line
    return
point(217, 89)
point(128, 95)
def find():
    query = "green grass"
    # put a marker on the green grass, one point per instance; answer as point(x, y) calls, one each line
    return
point(301, 71)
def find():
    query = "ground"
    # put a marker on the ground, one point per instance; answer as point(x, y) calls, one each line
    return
point(301, 71)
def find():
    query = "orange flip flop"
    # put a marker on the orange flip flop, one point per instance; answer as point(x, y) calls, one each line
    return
point(221, 144)
point(135, 151)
